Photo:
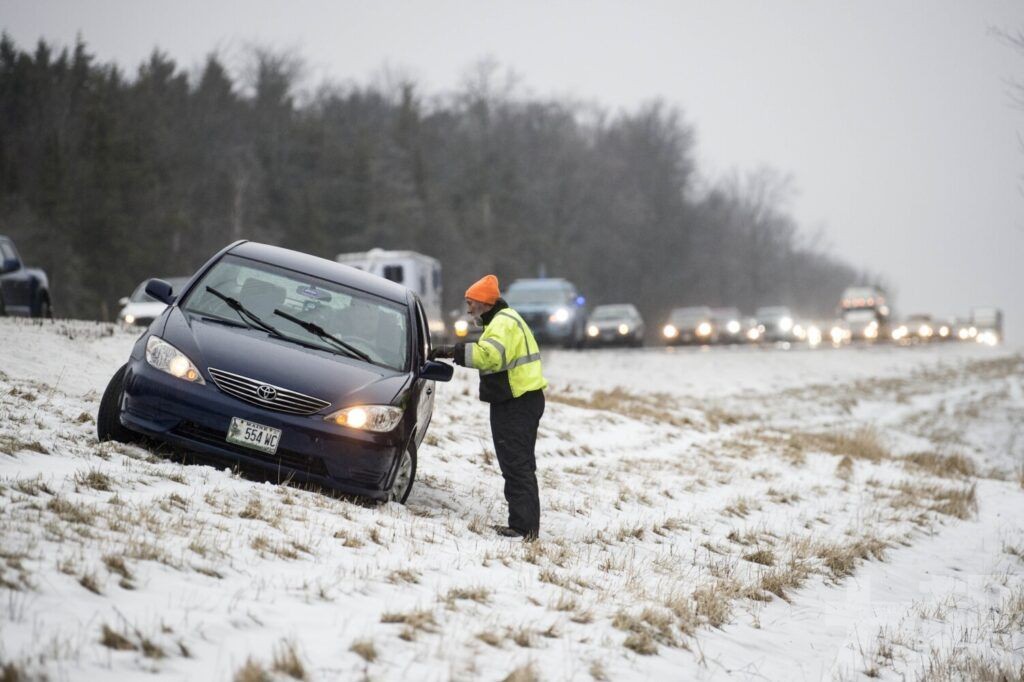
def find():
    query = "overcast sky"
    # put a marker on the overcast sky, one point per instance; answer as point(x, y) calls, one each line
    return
point(893, 118)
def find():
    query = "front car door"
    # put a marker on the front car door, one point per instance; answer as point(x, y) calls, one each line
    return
point(15, 285)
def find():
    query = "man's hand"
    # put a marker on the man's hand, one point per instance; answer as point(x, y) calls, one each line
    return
point(442, 352)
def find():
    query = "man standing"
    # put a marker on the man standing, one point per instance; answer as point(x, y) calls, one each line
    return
point(508, 359)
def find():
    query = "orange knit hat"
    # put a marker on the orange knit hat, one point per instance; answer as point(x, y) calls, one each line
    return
point(484, 290)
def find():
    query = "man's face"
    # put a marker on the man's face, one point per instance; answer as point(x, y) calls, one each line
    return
point(476, 308)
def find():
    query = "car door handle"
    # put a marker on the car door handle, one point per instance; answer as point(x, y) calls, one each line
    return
point(429, 391)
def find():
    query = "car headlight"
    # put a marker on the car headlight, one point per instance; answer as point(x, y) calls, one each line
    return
point(753, 333)
point(871, 331)
point(837, 335)
point(925, 330)
point(560, 315)
point(786, 323)
point(436, 326)
point(167, 358)
point(592, 330)
point(963, 334)
point(378, 418)
point(129, 319)
point(733, 326)
point(704, 329)
point(461, 327)
point(670, 331)
point(623, 329)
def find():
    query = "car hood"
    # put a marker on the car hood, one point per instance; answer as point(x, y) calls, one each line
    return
point(254, 354)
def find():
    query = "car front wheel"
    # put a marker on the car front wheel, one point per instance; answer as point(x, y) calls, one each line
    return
point(404, 477)
point(108, 419)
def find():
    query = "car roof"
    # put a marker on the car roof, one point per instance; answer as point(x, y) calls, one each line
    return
point(322, 268)
point(541, 283)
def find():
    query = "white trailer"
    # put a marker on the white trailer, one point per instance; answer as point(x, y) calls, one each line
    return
point(416, 271)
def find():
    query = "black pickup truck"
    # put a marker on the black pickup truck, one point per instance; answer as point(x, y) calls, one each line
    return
point(23, 291)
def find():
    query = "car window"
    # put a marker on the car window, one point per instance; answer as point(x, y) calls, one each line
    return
point(537, 296)
point(8, 251)
point(374, 325)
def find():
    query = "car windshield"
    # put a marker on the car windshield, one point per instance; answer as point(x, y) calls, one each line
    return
point(140, 295)
point(370, 324)
point(860, 316)
point(537, 295)
point(611, 312)
point(773, 312)
point(691, 313)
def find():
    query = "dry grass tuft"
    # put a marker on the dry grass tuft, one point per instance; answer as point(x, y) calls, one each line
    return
point(287, 662)
point(945, 466)
point(864, 443)
point(714, 602)
point(112, 639)
point(365, 649)
point(844, 469)
point(95, 479)
point(765, 557)
point(480, 594)
point(416, 620)
point(252, 671)
point(524, 673)
point(841, 558)
point(960, 503)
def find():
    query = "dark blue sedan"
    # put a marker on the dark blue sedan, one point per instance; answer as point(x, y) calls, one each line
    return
point(303, 367)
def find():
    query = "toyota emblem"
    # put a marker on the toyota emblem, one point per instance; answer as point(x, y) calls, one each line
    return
point(266, 392)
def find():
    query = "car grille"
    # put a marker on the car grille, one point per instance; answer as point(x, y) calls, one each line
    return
point(535, 320)
point(286, 458)
point(282, 400)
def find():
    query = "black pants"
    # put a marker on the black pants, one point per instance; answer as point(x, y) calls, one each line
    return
point(514, 430)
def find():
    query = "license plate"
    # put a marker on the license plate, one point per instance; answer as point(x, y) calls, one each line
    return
point(252, 435)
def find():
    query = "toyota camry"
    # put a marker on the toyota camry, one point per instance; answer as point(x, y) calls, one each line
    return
point(283, 361)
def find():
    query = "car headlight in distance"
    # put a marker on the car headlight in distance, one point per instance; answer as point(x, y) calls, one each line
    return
point(623, 329)
point(963, 334)
point(786, 323)
point(733, 326)
point(377, 418)
point(670, 331)
point(592, 330)
point(943, 331)
point(871, 331)
point(461, 328)
point(704, 329)
point(560, 315)
point(813, 335)
point(436, 326)
point(925, 331)
point(837, 335)
point(129, 319)
point(166, 358)
point(753, 333)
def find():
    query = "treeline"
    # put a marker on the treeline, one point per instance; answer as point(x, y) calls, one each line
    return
point(106, 179)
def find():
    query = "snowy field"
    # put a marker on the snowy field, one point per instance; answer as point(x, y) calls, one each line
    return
point(727, 514)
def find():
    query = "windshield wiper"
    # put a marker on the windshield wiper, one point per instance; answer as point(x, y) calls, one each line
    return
point(246, 315)
point(314, 328)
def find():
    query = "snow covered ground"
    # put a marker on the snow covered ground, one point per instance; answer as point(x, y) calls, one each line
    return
point(723, 514)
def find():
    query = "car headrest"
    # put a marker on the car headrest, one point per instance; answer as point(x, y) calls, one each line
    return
point(261, 297)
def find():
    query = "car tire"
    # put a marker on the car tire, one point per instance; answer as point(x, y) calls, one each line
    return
point(108, 418)
point(43, 310)
point(405, 476)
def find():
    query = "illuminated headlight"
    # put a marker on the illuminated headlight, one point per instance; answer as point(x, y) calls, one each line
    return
point(988, 338)
point(799, 332)
point(786, 323)
point(378, 418)
point(972, 332)
point(943, 331)
point(837, 335)
point(704, 329)
point(753, 333)
point(129, 319)
point(623, 329)
point(871, 331)
point(592, 330)
point(436, 326)
point(813, 335)
point(461, 328)
point(167, 358)
point(925, 331)
point(733, 327)
point(898, 333)
point(560, 315)
point(670, 332)
point(963, 334)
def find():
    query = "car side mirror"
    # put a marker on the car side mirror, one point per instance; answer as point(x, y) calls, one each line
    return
point(10, 265)
point(436, 371)
point(160, 290)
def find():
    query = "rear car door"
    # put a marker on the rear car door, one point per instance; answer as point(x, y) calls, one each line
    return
point(424, 390)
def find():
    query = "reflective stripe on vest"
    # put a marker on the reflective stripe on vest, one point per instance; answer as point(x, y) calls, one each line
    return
point(505, 365)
